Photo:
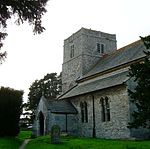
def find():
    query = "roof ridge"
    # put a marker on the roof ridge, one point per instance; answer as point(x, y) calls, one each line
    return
point(131, 44)
point(124, 47)
point(118, 51)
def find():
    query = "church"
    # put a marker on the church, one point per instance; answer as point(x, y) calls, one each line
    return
point(94, 100)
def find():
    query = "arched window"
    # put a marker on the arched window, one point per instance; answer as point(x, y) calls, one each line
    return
point(84, 112)
point(102, 101)
point(72, 51)
point(105, 109)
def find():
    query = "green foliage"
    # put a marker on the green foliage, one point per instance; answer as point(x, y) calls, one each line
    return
point(50, 86)
point(23, 10)
point(140, 72)
point(10, 111)
point(146, 41)
point(84, 143)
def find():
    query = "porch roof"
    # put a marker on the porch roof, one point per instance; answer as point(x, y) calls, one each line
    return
point(61, 107)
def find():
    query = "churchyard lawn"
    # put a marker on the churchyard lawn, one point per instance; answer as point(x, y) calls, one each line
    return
point(14, 143)
point(86, 143)
point(70, 143)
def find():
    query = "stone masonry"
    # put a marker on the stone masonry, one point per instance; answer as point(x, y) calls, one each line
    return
point(116, 128)
point(94, 88)
point(85, 54)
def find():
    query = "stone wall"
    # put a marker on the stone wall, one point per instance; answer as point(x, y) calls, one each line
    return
point(70, 72)
point(84, 129)
point(85, 54)
point(42, 107)
point(60, 119)
point(51, 119)
point(90, 39)
point(119, 114)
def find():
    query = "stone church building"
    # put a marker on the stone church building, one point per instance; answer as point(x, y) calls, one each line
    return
point(94, 100)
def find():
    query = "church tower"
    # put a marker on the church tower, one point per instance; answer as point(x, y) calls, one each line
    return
point(82, 50)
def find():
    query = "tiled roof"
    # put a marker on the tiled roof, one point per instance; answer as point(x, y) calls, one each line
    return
point(62, 106)
point(83, 88)
point(122, 56)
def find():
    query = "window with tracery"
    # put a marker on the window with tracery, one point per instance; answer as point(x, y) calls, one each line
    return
point(84, 112)
point(105, 109)
point(100, 48)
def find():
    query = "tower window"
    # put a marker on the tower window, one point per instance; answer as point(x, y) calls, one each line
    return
point(84, 112)
point(72, 51)
point(100, 48)
point(105, 109)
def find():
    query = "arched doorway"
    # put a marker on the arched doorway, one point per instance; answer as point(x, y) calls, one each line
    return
point(41, 122)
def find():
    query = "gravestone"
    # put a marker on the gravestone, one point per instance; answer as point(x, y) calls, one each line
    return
point(55, 134)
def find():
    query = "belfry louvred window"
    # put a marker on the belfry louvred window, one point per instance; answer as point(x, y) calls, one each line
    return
point(100, 48)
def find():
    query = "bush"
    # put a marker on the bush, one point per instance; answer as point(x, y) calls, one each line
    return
point(10, 111)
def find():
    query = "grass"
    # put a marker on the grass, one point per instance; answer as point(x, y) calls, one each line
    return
point(70, 143)
point(24, 135)
point(14, 142)
point(86, 143)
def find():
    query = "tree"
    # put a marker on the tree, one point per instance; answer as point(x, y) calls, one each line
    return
point(50, 86)
point(25, 120)
point(23, 10)
point(140, 96)
point(10, 111)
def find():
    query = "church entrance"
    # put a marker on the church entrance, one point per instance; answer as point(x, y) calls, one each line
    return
point(41, 121)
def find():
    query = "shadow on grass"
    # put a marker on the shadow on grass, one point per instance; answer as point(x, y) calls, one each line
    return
point(86, 143)
point(10, 143)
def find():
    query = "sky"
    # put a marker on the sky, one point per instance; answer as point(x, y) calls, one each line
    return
point(30, 57)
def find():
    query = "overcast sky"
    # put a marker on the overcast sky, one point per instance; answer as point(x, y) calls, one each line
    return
point(30, 57)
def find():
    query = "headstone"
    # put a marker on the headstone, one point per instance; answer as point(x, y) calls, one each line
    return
point(55, 134)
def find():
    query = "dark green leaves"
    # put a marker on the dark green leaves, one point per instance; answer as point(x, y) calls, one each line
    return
point(10, 111)
point(23, 10)
point(50, 86)
point(140, 72)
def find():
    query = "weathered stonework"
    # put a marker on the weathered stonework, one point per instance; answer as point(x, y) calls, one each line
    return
point(119, 110)
point(66, 122)
point(89, 76)
point(85, 54)
point(42, 108)
point(119, 113)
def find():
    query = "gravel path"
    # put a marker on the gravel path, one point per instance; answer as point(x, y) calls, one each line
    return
point(24, 144)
